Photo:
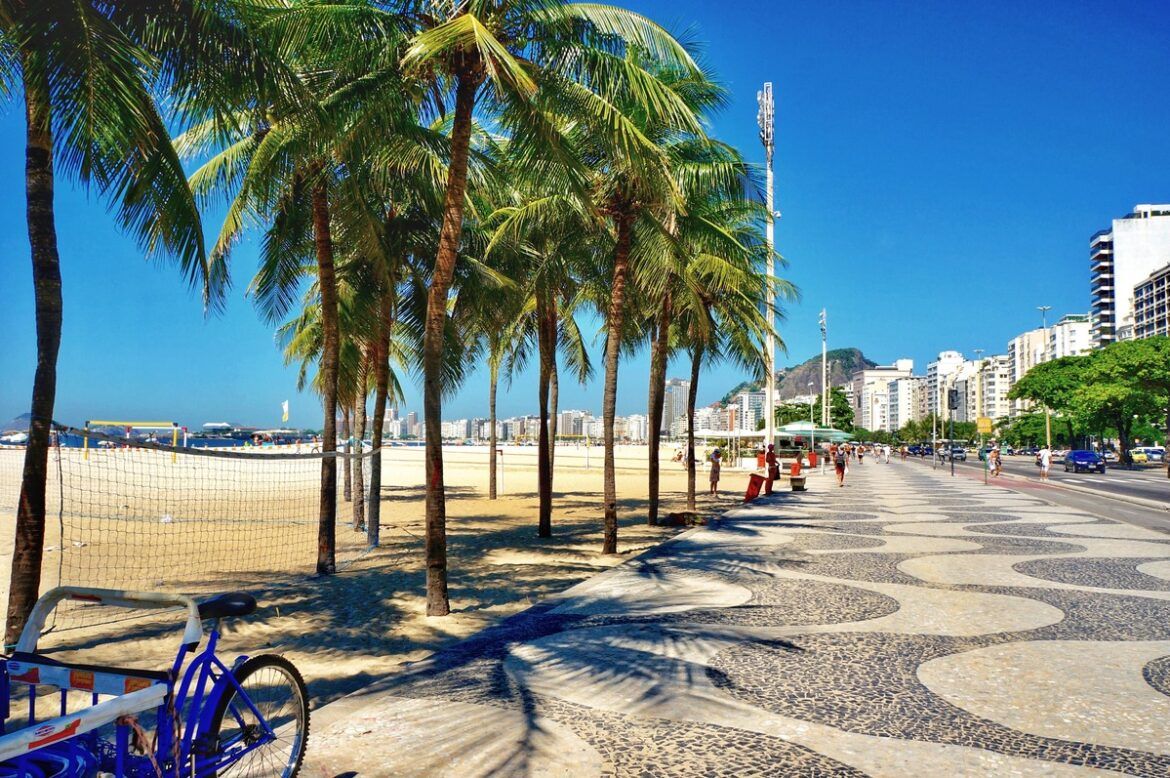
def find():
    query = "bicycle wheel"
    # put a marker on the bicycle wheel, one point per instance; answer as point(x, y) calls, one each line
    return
point(277, 690)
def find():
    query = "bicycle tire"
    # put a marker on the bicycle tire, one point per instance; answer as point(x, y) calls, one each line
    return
point(285, 670)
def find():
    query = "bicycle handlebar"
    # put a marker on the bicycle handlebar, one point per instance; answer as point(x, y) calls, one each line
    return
point(192, 632)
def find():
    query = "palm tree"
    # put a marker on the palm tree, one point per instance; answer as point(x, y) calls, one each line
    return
point(282, 156)
point(719, 308)
point(545, 235)
point(85, 69)
point(518, 52)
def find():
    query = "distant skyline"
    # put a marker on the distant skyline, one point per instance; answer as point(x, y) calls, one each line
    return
point(940, 169)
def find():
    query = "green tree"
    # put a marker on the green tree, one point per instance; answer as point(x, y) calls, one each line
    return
point(84, 70)
point(840, 411)
point(1141, 365)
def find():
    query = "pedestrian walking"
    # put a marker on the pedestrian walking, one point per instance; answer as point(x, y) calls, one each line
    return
point(860, 455)
point(716, 461)
point(1044, 459)
point(840, 463)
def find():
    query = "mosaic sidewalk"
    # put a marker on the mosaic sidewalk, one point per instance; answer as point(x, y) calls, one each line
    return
point(909, 624)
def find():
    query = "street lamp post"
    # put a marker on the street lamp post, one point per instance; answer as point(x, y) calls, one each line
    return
point(812, 425)
point(1044, 309)
point(766, 120)
point(824, 368)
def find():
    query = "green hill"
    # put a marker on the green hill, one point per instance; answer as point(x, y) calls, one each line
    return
point(793, 381)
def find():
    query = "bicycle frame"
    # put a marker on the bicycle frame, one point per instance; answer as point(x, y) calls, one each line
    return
point(205, 681)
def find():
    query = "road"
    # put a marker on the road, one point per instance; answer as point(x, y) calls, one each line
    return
point(1145, 484)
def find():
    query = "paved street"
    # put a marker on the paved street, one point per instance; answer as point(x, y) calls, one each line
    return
point(1145, 483)
point(909, 624)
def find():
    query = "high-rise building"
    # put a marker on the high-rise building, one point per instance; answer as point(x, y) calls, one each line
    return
point(970, 388)
point(871, 394)
point(750, 410)
point(1069, 337)
point(995, 381)
point(904, 399)
point(1151, 305)
point(1025, 351)
point(940, 374)
point(1119, 258)
point(674, 403)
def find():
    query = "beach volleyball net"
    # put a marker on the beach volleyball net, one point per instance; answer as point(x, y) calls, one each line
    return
point(128, 514)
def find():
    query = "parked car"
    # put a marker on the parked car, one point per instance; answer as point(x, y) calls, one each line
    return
point(1138, 456)
point(1110, 456)
point(1059, 454)
point(1154, 453)
point(957, 453)
point(1084, 461)
point(915, 450)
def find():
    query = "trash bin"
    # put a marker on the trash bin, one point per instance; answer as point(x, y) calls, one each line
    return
point(812, 459)
point(760, 461)
point(755, 483)
point(795, 469)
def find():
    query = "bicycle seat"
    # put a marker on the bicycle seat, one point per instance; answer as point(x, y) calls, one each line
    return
point(223, 606)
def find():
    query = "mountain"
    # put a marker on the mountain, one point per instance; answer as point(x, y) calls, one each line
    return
point(19, 424)
point(843, 363)
point(793, 381)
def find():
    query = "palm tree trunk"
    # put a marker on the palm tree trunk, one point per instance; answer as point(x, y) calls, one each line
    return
point(359, 473)
point(381, 393)
point(46, 269)
point(655, 404)
point(613, 345)
point(554, 397)
point(493, 380)
point(554, 392)
point(347, 467)
point(436, 320)
point(327, 281)
point(544, 463)
point(692, 397)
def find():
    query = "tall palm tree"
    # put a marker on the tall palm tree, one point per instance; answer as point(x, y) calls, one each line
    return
point(516, 51)
point(85, 69)
point(281, 158)
point(546, 235)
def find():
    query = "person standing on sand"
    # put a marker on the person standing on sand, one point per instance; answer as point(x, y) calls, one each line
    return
point(716, 459)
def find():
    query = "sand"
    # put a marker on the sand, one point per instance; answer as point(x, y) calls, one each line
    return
point(137, 520)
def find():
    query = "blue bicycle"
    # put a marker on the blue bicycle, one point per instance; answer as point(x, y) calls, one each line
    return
point(208, 720)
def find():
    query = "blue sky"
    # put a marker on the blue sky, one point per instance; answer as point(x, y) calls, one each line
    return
point(940, 168)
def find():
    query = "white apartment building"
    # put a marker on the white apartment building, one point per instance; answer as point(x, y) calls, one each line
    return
point(1070, 337)
point(940, 375)
point(995, 380)
point(1152, 304)
point(749, 410)
point(871, 394)
point(966, 382)
point(904, 400)
point(674, 403)
point(1025, 351)
point(1119, 259)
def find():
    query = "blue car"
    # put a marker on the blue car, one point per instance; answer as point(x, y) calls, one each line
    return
point(1077, 461)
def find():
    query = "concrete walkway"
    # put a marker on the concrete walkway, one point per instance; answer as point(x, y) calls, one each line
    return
point(909, 624)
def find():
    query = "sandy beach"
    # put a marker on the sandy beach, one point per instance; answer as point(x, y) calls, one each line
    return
point(135, 519)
